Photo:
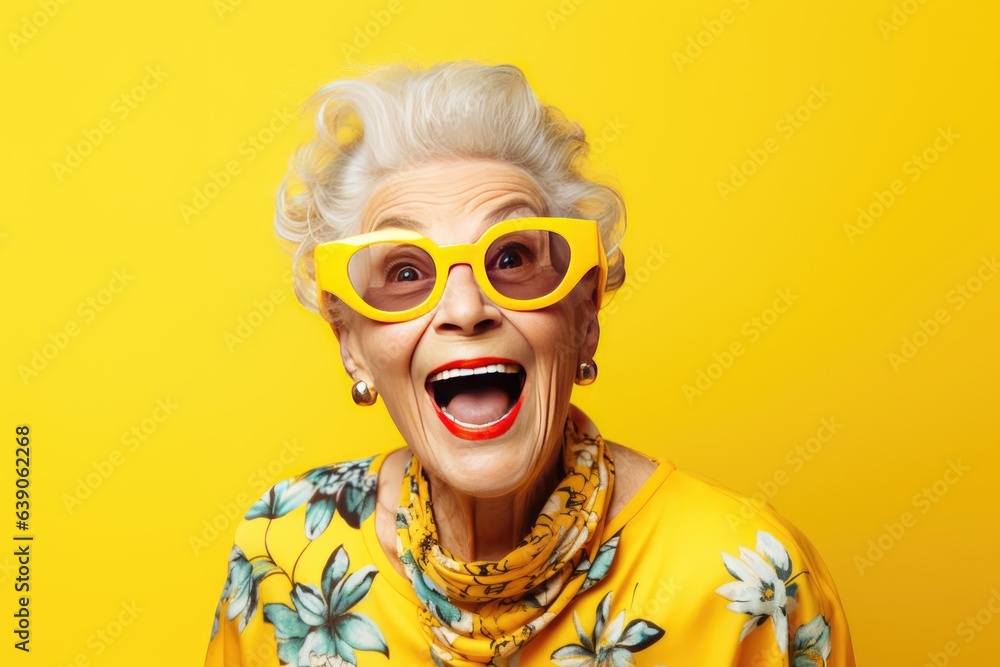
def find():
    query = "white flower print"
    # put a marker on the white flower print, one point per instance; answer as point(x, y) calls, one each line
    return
point(611, 644)
point(764, 587)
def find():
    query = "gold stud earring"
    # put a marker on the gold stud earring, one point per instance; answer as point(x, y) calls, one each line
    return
point(363, 393)
point(586, 373)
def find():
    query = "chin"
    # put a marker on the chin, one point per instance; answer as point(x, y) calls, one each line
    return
point(492, 467)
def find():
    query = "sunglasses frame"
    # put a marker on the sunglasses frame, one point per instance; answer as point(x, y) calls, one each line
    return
point(331, 262)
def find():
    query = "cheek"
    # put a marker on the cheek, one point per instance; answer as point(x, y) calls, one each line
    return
point(566, 333)
point(554, 341)
point(389, 350)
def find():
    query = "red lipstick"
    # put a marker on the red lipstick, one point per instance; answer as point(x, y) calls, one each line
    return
point(469, 431)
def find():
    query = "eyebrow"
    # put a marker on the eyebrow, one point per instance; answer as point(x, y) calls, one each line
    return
point(402, 222)
point(398, 222)
point(503, 211)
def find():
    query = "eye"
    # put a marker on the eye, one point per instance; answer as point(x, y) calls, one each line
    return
point(511, 256)
point(403, 273)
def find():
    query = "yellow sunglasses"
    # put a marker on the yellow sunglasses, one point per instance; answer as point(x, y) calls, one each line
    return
point(394, 275)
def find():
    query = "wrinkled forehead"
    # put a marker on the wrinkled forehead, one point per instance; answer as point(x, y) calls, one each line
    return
point(453, 201)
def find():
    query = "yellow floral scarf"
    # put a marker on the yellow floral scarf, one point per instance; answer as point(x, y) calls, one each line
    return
point(480, 612)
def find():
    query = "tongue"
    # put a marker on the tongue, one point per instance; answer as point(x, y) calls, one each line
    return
point(480, 406)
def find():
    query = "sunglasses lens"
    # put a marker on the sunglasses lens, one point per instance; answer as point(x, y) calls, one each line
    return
point(392, 277)
point(527, 264)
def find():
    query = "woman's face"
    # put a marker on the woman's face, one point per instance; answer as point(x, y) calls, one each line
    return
point(488, 434)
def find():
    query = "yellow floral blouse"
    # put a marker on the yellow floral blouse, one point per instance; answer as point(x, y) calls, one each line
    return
point(688, 574)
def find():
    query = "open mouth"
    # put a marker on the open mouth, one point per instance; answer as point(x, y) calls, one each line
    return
point(477, 398)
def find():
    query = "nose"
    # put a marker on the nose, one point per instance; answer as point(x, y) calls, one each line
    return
point(463, 307)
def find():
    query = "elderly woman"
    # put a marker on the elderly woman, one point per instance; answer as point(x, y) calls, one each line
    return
point(442, 226)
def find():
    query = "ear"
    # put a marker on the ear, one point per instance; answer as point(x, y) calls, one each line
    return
point(592, 335)
point(590, 326)
point(341, 331)
point(350, 353)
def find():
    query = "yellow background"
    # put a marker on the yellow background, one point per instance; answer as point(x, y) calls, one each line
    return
point(886, 79)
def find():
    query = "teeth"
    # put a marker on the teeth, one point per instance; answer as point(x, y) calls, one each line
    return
point(481, 370)
point(467, 425)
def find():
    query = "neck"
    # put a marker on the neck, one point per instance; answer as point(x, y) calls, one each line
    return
point(487, 529)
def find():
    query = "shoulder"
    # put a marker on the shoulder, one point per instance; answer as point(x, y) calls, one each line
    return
point(753, 540)
point(715, 521)
point(722, 514)
point(709, 538)
point(716, 503)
